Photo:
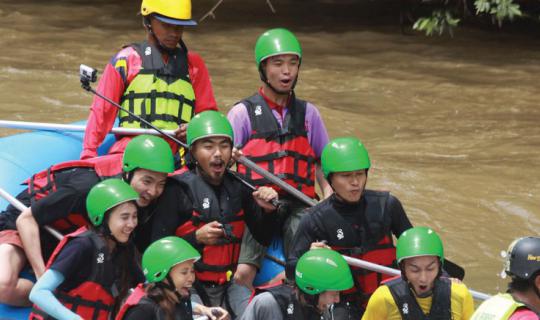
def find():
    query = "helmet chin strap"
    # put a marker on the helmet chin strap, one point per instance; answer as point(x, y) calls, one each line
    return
point(170, 287)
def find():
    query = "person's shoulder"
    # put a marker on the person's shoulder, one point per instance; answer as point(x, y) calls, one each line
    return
point(460, 291)
point(524, 314)
point(141, 311)
point(82, 242)
point(238, 108)
point(126, 52)
point(264, 300)
point(382, 293)
point(194, 58)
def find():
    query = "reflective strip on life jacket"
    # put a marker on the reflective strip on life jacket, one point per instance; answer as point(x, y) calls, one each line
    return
point(160, 93)
point(92, 299)
point(410, 309)
point(284, 151)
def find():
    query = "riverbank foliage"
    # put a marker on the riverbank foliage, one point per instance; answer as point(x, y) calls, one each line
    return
point(445, 15)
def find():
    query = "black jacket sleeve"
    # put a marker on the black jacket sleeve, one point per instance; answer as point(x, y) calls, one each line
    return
point(400, 221)
point(307, 233)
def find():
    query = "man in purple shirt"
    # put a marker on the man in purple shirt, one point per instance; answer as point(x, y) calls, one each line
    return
point(280, 133)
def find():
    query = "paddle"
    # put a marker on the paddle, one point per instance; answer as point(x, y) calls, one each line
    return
point(24, 125)
point(19, 205)
point(89, 75)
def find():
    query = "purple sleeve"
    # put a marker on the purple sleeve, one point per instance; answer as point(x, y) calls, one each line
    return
point(317, 134)
point(239, 118)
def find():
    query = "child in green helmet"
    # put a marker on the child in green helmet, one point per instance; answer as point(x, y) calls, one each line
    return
point(168, 265)
point(93, 268)
point(421, 292)
point(320, 276)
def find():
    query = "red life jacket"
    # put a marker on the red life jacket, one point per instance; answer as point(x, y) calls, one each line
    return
point(131, 301)
point(283, 151)
point(41, 183)
point(369, 240)
point(215, 260)
point(92, 299)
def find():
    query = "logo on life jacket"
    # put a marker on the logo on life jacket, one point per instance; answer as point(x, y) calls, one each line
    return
point(148, 51)
point(405, 308)
point(290, 308)
point(258, 110)
point(101, 257)
point(206, 203)
point(340, 234)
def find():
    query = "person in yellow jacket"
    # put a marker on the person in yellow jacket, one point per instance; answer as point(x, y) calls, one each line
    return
point(522, 300)
point(421, 292)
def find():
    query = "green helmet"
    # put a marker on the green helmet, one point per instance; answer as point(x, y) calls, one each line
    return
point(106, 195)
point(419, 241)
point(163, 254)
point(320, 270)
point(150, 153)
point(208, 124)
point(344, 154)
point(275, 42)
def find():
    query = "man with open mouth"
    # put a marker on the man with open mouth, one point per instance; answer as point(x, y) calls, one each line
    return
point(280, 133)
point(222, 207)
point(421, 292)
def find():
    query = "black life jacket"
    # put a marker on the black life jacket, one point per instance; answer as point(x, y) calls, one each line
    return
point(408, 306)
point(290, 307)
point(183, 310)
point(95, 297)
point(215, 260)
point(370, 239)
point(283, 151)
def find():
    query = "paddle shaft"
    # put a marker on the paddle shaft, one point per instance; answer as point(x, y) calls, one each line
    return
point(19, 205)
point(23, 125)
point(243, 160)
point(394, 272)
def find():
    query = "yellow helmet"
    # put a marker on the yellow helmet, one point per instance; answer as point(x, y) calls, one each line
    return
point(177, 12)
